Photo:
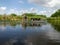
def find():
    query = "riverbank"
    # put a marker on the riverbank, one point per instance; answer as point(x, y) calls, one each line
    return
point(54, 20)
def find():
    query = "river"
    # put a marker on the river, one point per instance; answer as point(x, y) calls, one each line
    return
point(28, 34)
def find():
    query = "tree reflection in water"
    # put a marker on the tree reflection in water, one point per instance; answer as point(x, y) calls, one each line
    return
point(34, 34)
point(57, 27)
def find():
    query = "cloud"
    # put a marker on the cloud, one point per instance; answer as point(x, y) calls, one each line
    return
point(50, 6)
point(45, 12)
point(2, 8)
point(33, 10)
point(13, 10)
point(21, 2)
point(23, 11)
point(46, 3)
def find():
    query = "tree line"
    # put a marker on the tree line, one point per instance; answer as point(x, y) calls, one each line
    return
point(19, 17)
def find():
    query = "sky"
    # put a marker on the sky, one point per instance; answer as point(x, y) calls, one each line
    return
point(46, 7)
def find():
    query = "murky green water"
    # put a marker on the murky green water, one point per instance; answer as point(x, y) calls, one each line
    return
point(12, 33)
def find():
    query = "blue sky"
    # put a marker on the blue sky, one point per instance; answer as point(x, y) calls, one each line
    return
point(46, 7)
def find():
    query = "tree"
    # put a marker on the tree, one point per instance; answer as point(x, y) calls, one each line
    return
point(13, 15)
point(34, 15)
point(56, 14)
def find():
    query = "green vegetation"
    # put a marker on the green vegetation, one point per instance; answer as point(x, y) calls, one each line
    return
point(55, 18)
point(10, 17)
point(56, 14)
point(11, 23)
point(34, 15)
point(55, 22)
point(14, 17)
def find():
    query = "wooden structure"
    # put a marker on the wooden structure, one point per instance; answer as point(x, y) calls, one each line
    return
point(24, 18)
point(31, 19)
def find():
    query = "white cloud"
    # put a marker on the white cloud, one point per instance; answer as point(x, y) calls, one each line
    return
point(13, 11)
point(47, 12)
point(2, 8)
point(54, 3)
point(50, 6)
point(21, 2)
point(43, 12)
point(33, 10)
point(23, 11)
point(46, 3)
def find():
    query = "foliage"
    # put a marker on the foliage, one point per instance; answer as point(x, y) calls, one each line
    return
point(13, 14)
point(17, 17)
point(10, 17)
point(56, 14)
point(55, 21)
point(34, 15)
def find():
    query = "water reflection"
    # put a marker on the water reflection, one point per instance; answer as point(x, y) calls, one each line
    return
point(13, 33)
point(57, 27)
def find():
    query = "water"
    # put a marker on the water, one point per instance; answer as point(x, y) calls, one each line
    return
point(12, 33)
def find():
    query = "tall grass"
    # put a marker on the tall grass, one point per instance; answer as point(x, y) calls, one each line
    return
point(54, 20)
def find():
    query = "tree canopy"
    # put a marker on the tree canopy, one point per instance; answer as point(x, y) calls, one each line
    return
point(13, 14)
point(34, 15)
point(56, 14)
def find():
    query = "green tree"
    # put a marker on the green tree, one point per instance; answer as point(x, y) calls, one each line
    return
point(34, 15)
point(56, 14)
point(13, 14)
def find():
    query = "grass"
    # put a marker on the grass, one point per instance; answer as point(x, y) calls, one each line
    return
point(54, 20)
